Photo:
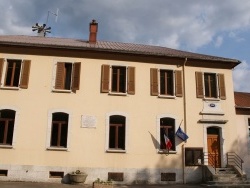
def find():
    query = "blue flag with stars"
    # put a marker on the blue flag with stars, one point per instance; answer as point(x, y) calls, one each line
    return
point(181, 134)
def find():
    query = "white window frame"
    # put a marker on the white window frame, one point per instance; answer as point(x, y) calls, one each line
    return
point(110, 80)
point(107, 149)
point(15, 125)
point(2, 80)
point(159, 83)
point(49, 127)
point(158, 135)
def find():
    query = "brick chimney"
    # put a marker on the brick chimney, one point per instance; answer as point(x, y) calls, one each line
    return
point(93, 27)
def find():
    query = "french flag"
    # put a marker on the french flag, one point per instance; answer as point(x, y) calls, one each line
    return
point(167, 142)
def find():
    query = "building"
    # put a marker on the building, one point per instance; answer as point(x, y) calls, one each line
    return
point(242, 106)
point(108, 108)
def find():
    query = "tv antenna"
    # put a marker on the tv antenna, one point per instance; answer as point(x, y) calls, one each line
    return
point(42, 30)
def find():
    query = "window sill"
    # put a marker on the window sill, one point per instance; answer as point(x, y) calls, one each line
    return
point(115, 151)
point(10, 88)
point(166, 152)
point(57, 149)
point(120, 94)
point(211, 99)
point(167, 96)
point(61, 91)
point(6, 146)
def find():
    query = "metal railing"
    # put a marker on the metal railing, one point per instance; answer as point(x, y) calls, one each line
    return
point(211, 159)
point(235, 160)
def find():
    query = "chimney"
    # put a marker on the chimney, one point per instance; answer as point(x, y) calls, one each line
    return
point(93, 27)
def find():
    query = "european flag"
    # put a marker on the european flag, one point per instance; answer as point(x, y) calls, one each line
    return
point(181, 134)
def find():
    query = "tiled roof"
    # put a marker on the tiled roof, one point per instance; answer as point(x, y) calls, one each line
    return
point(117, 47)
point(242, 100)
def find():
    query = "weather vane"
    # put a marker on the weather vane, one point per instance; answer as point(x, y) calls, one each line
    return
point(42, 30)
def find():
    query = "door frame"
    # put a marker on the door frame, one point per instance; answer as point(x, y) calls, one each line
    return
point(221, 130)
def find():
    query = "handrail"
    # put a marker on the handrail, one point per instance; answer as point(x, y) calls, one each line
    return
point(234, 159)
point(211, 159)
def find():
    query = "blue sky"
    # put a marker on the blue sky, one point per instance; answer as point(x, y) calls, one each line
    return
point(220, 28)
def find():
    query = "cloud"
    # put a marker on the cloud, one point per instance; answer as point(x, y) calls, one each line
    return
point(218, 41)
point(241, 77)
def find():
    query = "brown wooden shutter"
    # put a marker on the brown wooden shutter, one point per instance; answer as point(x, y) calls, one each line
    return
point(222, 87)
point(131, 80)
point(76, 76)
point(105, 79)
point(25, 74)
point(199, 84)
point(154, 81)
point(178, 83)
point(59, 84)
point(1, 68)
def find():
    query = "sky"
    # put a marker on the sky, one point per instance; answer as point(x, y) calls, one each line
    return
point(214, 27)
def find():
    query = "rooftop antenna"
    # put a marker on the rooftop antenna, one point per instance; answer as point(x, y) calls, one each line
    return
point(42, 30)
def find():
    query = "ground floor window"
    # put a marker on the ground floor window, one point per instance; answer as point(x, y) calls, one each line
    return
point(167, 134)
point(7, 121)
point(193, 156)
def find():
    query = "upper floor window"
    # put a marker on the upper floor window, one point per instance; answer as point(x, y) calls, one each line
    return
point(210, 85)
point(15, 74)
point(118, 79)
point(167, 134)
point(249, 127)
point(67, 76)
point(7, 122)
point(59, 130)
point(165, 82)
point(117, 133)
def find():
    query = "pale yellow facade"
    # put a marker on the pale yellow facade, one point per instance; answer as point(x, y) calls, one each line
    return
point(30, 158)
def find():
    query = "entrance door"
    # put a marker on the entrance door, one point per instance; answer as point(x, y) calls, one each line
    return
point(213, 146)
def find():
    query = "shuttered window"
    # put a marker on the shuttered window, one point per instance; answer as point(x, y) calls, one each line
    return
point(165, 82)
point(118, 79)
point(210, 85)
point(68, 76)
point(16, 73)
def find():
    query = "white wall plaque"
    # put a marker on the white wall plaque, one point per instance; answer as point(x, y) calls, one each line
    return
point(88, 121)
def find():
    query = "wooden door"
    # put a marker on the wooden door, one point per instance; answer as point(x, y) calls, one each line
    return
point(213, 145)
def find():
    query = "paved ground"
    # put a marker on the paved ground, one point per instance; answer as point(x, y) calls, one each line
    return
point(58, 185)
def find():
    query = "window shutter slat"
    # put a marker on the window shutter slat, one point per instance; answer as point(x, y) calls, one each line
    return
point(131, 80)
point(154, 81)
point(76, 76)
point(199, 84)
point(1, 68)
point(222, 87)
point(178, 83)
point(105, 79)
point(25, 74)
point(59, 84)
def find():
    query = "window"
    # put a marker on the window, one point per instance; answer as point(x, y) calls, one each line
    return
point(193, 156)
point(166, 82)
point(167, 128)
point(118, 79)
point(210, 85)
point(16, 73)
point(7, 121)
point(67, 76)
point(59, 130)
point(249, 127)
point(117, 133)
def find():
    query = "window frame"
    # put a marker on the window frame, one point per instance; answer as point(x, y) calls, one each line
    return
point(23, 73)
point(192, 150)
point(107, 80)
point(114, 150)
point(219, 85)
point(158, 132)
point(49, 130)
point(156, 83)
point(60, 76)
point(16, 120)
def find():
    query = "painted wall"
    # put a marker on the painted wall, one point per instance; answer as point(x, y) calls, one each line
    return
point(31, 160)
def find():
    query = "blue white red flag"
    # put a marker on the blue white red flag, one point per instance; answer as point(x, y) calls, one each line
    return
point(167, 142)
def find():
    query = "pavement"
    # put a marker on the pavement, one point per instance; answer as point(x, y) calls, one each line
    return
point(59, 185)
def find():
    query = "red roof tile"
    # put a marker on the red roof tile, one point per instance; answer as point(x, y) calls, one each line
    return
point(242, 100)
point(118, 47)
